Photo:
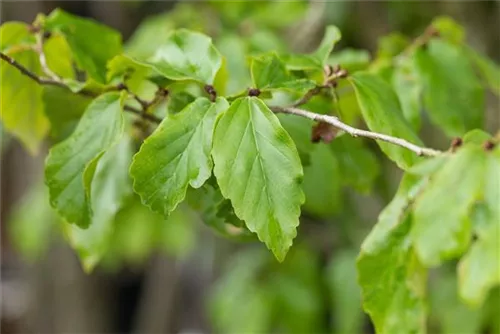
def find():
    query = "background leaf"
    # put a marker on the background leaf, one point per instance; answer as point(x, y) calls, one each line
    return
point(258, 168)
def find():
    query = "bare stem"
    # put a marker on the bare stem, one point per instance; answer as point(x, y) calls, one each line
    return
point(334, 121)
point(59, 83)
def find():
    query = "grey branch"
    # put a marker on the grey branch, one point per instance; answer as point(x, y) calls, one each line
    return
point(334, 121)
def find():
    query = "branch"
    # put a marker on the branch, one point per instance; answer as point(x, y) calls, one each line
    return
point(59, 83)
point(334, 121)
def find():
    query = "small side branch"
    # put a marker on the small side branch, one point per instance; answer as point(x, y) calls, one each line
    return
point(334, 121)
point(59, 83)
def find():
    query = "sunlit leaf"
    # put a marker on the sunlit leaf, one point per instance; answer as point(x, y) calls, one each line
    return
point(176, 155)
point(258, 168)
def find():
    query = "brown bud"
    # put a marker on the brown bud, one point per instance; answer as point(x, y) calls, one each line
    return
point(489, 145)
point(253, 92)
point(328, 69)
point(333, 83)
point(121, 86)
point(336, 68)
point(210, 89)
point(342, 73)
point(323, 132)
point(47, 34)
point(455, 143)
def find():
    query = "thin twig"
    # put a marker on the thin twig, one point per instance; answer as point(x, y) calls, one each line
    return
point(87, 93)
point(40, 39)
point(334, 121)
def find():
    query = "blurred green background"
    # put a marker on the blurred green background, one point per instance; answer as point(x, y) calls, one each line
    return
point(179, 276)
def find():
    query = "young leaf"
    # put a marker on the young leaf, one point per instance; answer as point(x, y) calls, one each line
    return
point(381, 112)
point(92, 43)
point(453, 95)
point(391, 277)
point(435, 242)
point(109, 188)
point(317, 59)
point(21, 101)
point(14, 36)
point(258, 168)
point(268, 72)
point(187, 55)
point(479, 269)
point(489, 70)
point(176, 155)
point(70, 164)
point(448, 29)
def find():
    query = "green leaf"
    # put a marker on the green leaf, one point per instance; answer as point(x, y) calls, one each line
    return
point(317, 59)
point(488, 69)
point(258, 168)
point(437, 242)
point(358, 166)
point(453, 96)
point(449, 29)
point(479, 269)
point(92, 43)
point(21, 101)
point(31, 236)
point(322, 183)
point(109, 188)
point(381, 112)
point(350, 59)
point(176, 155)
point(300, 131)
point(63, 119)
point(407, 86)
point(268, 72)
point(70, 164)
point(452, 315)
point(187, 55)
point(345, 296)
point(15, 36)
point(391, 45)
point(391, 277)
point(59, 57)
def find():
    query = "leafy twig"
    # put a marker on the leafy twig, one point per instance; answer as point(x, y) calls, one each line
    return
point(334, 121)
point(83, 92)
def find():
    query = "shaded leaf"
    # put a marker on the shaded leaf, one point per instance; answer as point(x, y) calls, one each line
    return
point(176, 155)
point(92, 43)
point(408, 89)
point(110, 186)
point(488, 69)
point(15, 36)
point(71, 164)
point(381, 111)
point(453, 96)
point(258, 168)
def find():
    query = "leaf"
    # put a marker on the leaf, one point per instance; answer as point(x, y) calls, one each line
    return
point(452, 315)
point(408, 88)
point(449, 29)
point(63, 119)
point(110, 186)
point(317, 59)
point(70, 164)
point(31, 237)
point(351, 59)
point(345, 296)
point(21, 101)
point(452, 94)
point(176, 155)
point(187, 55)
point(358, 166)
point(391, 45)
point(489, 70)
point(435, 242)
point(15, 36)
point(59, 57)
point(300, 131)
point(92, 43)
point(322, 183)
point(479, 269)
point(381, 112)
point(268, 72)
point(391, 277)
point(258, 168)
